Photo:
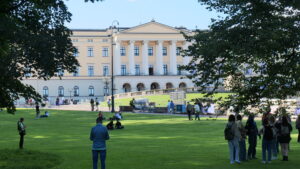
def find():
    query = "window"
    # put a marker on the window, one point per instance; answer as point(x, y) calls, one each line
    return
point(90, 52)
point(45, 91)
point(105, 51)
point(90, 70)
point(123, 70)
point(75, 54)
point(104, 40)
point(150, 51)
point(123, 51)
point(106, 90)
point(76, 73)
point(178, 51)
point(60, 91)
point(74, 40)
point(27, 72)
point(136, 51)
point(165, 69)
point(91, 91)
point(137, 70)
point(165, 51)
point(105, 70)
point(60, 72)
point(90, 40)
point(178, 70)
point(76, 91)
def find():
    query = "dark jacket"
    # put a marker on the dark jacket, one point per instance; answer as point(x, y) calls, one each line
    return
point(99, 135)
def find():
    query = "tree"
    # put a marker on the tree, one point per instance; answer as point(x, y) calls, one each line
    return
point(255, 43)
point(35, 42)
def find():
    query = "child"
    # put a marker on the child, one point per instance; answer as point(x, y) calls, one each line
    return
point(119, 125)
point(110, 125)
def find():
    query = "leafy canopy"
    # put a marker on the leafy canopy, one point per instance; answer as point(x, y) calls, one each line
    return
point(35, 42)
point(253, 48)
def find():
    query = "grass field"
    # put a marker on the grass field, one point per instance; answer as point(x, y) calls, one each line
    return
point(147, 142)
point(162, 100)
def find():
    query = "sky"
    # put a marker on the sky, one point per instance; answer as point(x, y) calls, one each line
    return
point(100, 15)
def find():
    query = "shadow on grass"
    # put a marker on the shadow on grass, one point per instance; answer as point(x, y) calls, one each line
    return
point(27, 159)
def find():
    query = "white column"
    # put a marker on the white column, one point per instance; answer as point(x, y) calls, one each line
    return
point(117, 59)
point(131, 58)
point(145, 64)
point(173, 58)
point(159, 58)
point(186, 59)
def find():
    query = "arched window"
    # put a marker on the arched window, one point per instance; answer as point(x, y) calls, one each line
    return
point(45, 91)
point(91, 91)
point(182, 85)
point(126, 87)
point(61, 91)
point(154, 86)
point(76, 91)
point(140, 87)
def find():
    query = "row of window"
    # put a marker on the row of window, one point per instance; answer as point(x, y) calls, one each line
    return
point(90, 51)
point(123, 70)
point(73, 92)
point(90, 40)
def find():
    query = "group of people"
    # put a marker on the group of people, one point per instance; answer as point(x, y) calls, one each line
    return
point(198, 109)
point(110, 126)
point(94, 104)
point(274, 132)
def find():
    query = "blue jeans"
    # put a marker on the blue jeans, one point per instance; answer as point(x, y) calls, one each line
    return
point(266, 146)
point(234, 150)
point(242, 145)
point(102, 158)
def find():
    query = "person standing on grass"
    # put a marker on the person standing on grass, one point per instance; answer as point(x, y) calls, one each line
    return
point(109, 104)
point(242, 142)
point(22, 132)
point(252, 133)
point(97, 104)
point(37, 110)
point(197, 111)
point(274, 151)
point(298, 127)
point(284, 136)
point(92, 104)
point(233, 135)
point(99, 135)
point(268, 135)
point(189, 110)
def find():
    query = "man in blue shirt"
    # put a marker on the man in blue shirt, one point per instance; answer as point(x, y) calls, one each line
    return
point(99, 135)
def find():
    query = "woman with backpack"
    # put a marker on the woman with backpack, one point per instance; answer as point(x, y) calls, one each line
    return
point(233, 135)
point(252, 133)
point(298, 127)
point(284, 136)
point(268, 135)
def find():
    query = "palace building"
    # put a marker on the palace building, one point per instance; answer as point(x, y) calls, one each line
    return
point(145, 57)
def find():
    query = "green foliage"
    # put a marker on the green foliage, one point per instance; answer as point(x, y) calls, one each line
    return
point(258, 35)
point(148, 141)
point(35, 42)
point(23, 159)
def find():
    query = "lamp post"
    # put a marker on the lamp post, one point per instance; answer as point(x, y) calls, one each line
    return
point(112, 64)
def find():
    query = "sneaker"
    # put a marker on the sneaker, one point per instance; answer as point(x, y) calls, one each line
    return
point(264, 162)
point(239, 162)
point(231, 162)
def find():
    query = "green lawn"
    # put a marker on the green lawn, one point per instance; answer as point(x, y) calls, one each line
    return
point(162, 100)
point(147, 142)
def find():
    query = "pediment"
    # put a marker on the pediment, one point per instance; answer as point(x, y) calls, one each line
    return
point(152, 27)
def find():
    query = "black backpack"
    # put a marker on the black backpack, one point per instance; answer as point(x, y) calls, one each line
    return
point(268, 133)
point(228, 133)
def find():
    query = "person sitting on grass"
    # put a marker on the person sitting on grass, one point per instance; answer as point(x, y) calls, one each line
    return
point(101, 116)
point(110, 125)
point(47, 114)
point(119, 125)
point(117, 116)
